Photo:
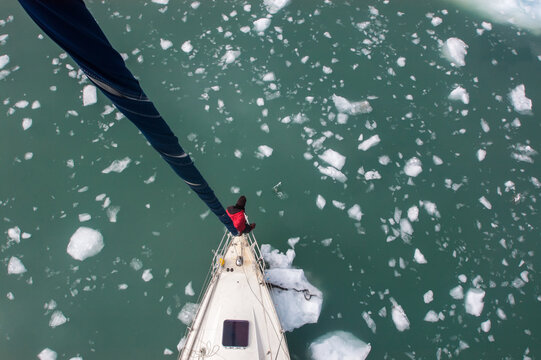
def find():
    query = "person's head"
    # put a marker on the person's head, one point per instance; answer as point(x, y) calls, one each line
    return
point(241, 202)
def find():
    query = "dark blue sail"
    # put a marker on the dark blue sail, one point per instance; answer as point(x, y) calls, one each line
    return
point(70, 25)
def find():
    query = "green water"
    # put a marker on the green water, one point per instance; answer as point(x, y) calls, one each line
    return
point(52, 172)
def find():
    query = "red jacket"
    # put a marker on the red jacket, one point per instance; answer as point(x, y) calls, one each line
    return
point(238, 218)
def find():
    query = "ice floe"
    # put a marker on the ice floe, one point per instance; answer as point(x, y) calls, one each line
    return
point(320, 202)
point(229, 57)
point(27, 123)
point(333, 173)
point(413, 167)
point(481, 154)
point(457, 292)
point(474, 301)
point(4, 60)
point(117, 166)
point(343, 105)
point(419, 257)
point(355, 212)
point(47, 354)
point(273, 6)
point(399, 317)
point(483, 200)
point(339, 345)
point(57, 319)
point(333, 158)
point(16, 266)
point(264, 151)
point(187, 47)
point(455, 51)
point(460, 94)
point(187, 313)
point(260, 25)
point(14, 234)
point(147, 275)
point(413, 213)
point(90, 95)
point(401, 61)
point(84, 243)
point(188, 290)
point(428, 297)
point(165, 44)
point(370, 142)
point(518, 98)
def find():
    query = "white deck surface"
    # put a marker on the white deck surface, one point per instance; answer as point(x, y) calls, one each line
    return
point(239, 294)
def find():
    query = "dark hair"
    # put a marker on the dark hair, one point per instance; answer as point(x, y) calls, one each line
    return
point(241, 202)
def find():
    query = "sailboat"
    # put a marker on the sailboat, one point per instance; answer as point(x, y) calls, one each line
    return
point(236, 317)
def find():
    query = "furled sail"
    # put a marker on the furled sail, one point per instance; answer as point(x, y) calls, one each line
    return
point(70, 25)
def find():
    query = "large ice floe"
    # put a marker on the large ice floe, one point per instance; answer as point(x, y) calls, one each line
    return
point(455, 51)
point(520, 102)
point(84, 243)
point(297, 301)
point(339, 345)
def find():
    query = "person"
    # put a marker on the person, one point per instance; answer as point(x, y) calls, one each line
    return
point(237, 214)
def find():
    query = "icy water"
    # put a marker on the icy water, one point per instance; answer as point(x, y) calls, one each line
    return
point(406, 163)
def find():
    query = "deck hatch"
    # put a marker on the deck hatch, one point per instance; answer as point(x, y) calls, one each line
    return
point(235, 333)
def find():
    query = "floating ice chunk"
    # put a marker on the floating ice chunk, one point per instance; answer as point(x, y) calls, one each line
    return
point(523, 153)
point(355, 212)
point(188, 290)
point(187, 313)
point(147, 275)
point(27, 123)
point(84, 243)
point(333, 158)
point(112, 213)
point(136, 264)
point(351, 108)
point(90, 95)
point(293, 308)
point(117, 166)
point(436, 20)
point(165, 44)
point(430, 208)
point(10, 296)
point(195, 5)
point(339, 345)
point(369, 321)
point(84, 217)
point(181, 343)
point(413, 213)
point(161, 2)
point(481, 154)
point(333, 173)
point(264, 151)
point(455, 51)
point(419, 257)
point(428, 297)
point(21, 104)
point(320, 202)
point(372, 175)
point(275, 259)
point(187, 47)
point(485, 326)
point(293, 241)
point(16, 266)
point(413, 167)
point(474, 301)
point(14, 234)
point(457, 293)
point(460, 94)
point(399, 317)
point(269, 77)
point(520, 102)
point(273, 6)
point(4, 60)
point(437, 160)
point(229, 57)
point(483, 200)
point(401, 61)
point(261, 25)
point(167, 351)
point(368, 143)
point(57, 319)
point(431, 316)
point(47, 354)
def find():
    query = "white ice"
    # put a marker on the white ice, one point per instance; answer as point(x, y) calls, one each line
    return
point(57, 319)
point(167, 351)
point(261, 25)
point(47, 354)
point(187, 47)
point(264, 151)
point(436, 21)
point(293, 241)
point(368, 143)
point(372, 175)
point(428, 296)
point(320, 202)
point(90, 95)
point(27, 123)
point(15, 266)
point(455, 51)
point(147, 275)
point(518, 98)
point(161, 2)
point(401, 61)
point(413, 167)
point(351, 108)
point(486, 325)
point(460, 94)
point(483, 200)
point(117, 166)
point(187, 313)
point(481, 154)
point(333, 173)
point(339, 345)
point(14, 234)
point(355, 212)
point(273, 6)
point(188, 290)
point(165, 44)
point(400, 318)
point(84, 217)
point(4, 60)
point(269, 77)
point(369, 321)
point(413, 213)
point(474, 301)
point(431, 316)
point(419, 257)
point(275, 259)
point(229, 57)
point(333, 158)
point(84, 243)
point(457, 292)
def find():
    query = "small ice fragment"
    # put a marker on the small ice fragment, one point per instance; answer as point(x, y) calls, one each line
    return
point(419, 257)
point(47, 354)
point(161, 2)
point(165, 44)
point(181, 343)
point(401, 61)
point(462, 278)
point(260, 102)
point(457, 293)
point(474, 301)
point(436, 21)
point(4, 60)
point(485, 326)
point(437, 160)
point(413, 167)
point(333, 173)
point(147, 275)
point(136, 264)
point(15, 266)
point(187, 47)
point(483, 200)
point(293, 241)
point(413, 213)
point(84, 243)
point(84, 217)
point(269, 77)
point(122, 286)
point(320, 202)
point(264, 151)
point(21, 104)
point(90, 95)
point(369, 321)
point(273, 6)
point(431, 316)
point(524, 276)
point(275, 259)
point(26, 123)
point(399, 317)
point(351, 108)
point(187, 313)
point(372, 175)
point(355, 212)
point(117, 166)
point(261, 25)
point(14, 234)
point(455, 51)
point(486, 25)
point(36, 105)
point(57, 319)
point(460, 94)
point(368, 143)
point(339, 345)
point(229, 57)
point(428, 296)
point(167, 351)
point(10, 296)
point(481, 153)
point(520, 102)
point(188, 290)
point(333, 158)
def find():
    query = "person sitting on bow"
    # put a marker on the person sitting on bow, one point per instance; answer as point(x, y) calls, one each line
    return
point(237, 214)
